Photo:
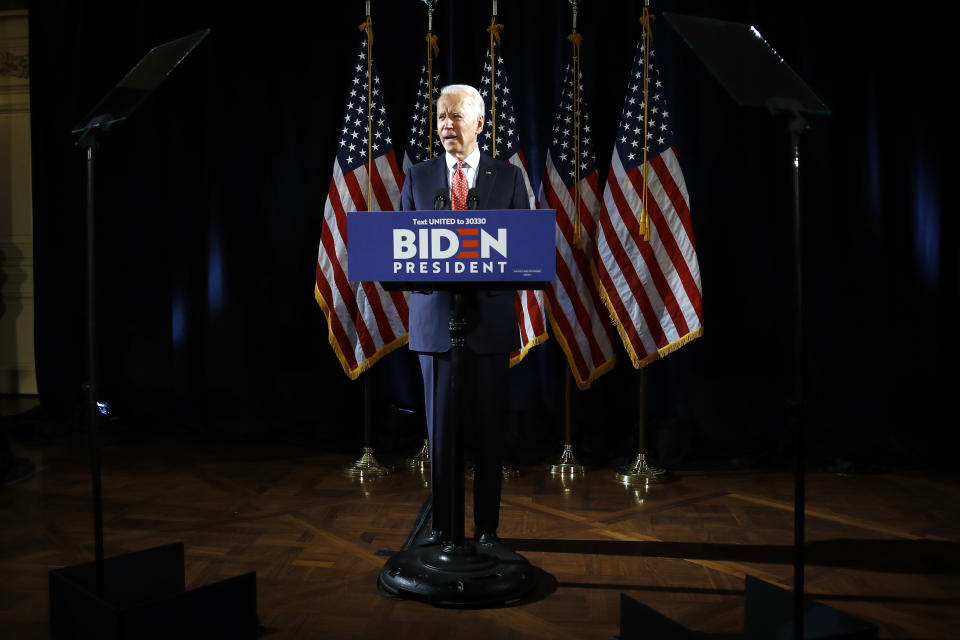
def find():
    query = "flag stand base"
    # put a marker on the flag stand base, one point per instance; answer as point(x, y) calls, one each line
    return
point(567, 465)
point(640, 472)
point(509, 473)
point(421, 461)
point(367, 466)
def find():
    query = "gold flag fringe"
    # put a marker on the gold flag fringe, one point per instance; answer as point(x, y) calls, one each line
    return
point(540, 339)
point(637, 361)
point(583, 385)
point(353, 374)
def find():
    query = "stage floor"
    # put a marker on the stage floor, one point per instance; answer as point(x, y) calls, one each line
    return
point(882, 547)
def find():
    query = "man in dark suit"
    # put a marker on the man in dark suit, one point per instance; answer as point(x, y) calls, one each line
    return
point(492, 332)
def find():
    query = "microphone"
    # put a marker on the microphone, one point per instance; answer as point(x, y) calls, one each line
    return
point(473, 200)
point(441, 200)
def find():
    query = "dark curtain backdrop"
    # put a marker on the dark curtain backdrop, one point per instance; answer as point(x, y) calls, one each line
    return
point(210, 200)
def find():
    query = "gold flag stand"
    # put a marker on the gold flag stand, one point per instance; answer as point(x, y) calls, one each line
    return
point(367, 466)
point(641, 472)
point(567, 464)
point(509, 472)
point(421, 461)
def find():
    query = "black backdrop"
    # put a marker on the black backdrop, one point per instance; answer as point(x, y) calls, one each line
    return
point(210, 203)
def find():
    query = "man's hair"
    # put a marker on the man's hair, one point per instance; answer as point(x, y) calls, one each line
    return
point(476, 100)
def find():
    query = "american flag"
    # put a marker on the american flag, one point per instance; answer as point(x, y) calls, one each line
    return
point(365, 322)
point(580, 321)
point(530, 304)
point(652, 288)
point(421, 125)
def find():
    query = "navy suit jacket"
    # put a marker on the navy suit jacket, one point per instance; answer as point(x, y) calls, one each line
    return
point(492, 314)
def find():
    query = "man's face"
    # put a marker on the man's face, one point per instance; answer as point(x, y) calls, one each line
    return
point(458, 130)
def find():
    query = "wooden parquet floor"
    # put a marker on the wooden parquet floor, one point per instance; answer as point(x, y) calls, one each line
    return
point(885, 548)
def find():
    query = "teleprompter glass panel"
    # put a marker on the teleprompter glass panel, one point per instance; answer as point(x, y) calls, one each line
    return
point(751, 70)
point(140, 82)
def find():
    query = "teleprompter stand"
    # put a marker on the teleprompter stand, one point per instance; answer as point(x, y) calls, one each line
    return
point(142, 594)
point(755, 75)
point(454, 571)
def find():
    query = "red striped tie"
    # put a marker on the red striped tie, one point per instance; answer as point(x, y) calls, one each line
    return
point(458, 187)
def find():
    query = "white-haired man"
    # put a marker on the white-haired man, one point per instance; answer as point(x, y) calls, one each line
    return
point(492, 332)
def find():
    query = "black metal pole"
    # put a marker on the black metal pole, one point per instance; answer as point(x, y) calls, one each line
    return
point(93, 412)
point(458, 341)
point(796, 126)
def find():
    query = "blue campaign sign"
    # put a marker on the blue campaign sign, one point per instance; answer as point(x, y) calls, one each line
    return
point(451, 246)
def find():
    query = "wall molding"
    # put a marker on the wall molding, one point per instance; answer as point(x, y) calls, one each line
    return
point(14, 65)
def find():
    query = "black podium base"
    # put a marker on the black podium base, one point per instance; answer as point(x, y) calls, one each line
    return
point(767, 615)
point(464, 575)
point(144, 597)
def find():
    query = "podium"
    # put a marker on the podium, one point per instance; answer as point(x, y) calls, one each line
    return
point(460, 252)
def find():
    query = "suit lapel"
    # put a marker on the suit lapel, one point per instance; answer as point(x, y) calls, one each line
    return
point(486, 178)
point(438, 173)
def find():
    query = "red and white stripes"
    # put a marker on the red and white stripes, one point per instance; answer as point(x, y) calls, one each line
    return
point(577, 314)
point(652, 288)
point(365, 321)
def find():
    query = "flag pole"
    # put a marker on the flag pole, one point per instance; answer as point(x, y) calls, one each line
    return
point(647, 20)
point(568, 463)
point(494, 30)
point(575, 39)
point(421, 461)
point(367, 465)
point(367, 26)
point(432, 50)
point(640, 472)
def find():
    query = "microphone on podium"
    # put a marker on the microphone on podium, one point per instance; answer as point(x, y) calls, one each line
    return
point(473, 200)
point(441, 200)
